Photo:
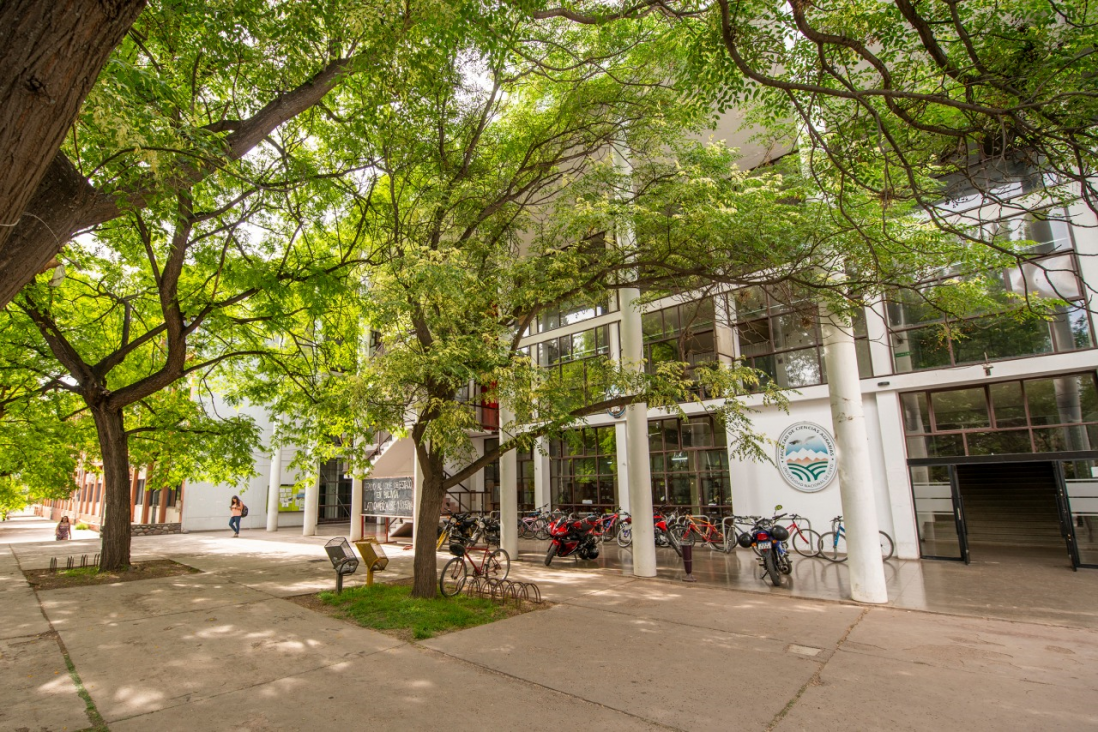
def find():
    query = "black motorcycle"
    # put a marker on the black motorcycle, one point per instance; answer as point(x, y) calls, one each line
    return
point(768, 539)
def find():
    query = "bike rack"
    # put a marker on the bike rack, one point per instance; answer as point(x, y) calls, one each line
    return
point(70, 562)
point(503, 590)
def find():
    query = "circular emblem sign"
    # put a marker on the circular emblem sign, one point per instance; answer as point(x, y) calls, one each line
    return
point(806, 457)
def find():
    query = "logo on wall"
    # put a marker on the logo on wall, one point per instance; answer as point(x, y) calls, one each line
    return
point(806, 457)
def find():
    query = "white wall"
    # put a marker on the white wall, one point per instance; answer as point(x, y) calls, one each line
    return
point(206, 505)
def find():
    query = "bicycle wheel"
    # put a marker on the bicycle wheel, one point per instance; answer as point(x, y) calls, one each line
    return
point(625, 536)
point(806, 542)
point(497, 565)
point(833, 546)
point(541, 530)
point(523, 529)
point(453, 577)
point(715, 540)
point(671, 542)
point(888, 547)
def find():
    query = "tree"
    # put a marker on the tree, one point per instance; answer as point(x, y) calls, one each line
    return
point(496, 197)
point(50, 55)
point(904, 100)
point(190, 91)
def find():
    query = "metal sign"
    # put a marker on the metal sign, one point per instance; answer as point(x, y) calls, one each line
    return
point(387, 497)
point(806, 457)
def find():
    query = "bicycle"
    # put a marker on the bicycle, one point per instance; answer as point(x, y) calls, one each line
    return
point(535, 524)
point(494, 564)
point(833, 543)
point(708, 533)
point(805, 542)
point(610, 525)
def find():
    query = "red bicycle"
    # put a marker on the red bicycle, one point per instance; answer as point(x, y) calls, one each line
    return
point(494, 564)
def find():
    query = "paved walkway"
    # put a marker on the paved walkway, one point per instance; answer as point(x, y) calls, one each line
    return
point(223, 650)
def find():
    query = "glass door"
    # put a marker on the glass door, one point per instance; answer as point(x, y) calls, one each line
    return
point(1078, 501)
point(939, 513)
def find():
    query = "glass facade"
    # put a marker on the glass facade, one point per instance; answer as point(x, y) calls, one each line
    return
point(781, 337)
point(575, 311)
point(689, 462)
point(583, 469)
point(1053, 414)
point(571, 358)
point(335, 492)
point(923, 338)
point(683, 333)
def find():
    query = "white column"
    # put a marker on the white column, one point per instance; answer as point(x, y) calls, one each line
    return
point(900, 500)
point(356, 507)
point(508, 487)
point(621, 439)
point(541, 473)
point(867, 579)
point(273, 485)
point(312, 505)
point(636, 443)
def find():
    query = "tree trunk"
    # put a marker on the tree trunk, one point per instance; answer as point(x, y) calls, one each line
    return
point(114, 445)
point(50, 56)
point(425, 564)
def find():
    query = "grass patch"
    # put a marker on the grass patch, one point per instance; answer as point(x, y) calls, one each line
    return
point(80, 572)
point(390, 608)
point(43, 579)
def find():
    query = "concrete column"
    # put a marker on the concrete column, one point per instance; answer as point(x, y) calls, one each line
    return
point(635, 445)
point(356, 507)
point(133, 490)
point(541, 473)
point(620, 439)
point(274, 484)
point(162, 514)
point(312, 505)
point(867, 579)
point(508, 486)
point(905, 530)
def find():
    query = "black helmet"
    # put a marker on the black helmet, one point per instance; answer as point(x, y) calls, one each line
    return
point(745, 540)
point(779, 532)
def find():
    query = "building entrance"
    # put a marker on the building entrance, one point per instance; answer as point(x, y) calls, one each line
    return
point(1011, 507)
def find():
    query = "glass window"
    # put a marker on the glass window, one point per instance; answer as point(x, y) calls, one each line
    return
point(960, 408)
point(1050, 414)
point(922, 338)
point(1007, 404)
point(916, 414)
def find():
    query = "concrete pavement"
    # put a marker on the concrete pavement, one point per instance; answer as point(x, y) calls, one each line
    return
point(223, 650)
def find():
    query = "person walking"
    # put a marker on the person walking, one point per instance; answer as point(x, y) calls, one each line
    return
point(236, 508)
point(64, 529)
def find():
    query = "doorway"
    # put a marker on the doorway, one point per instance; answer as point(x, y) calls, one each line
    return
point(1011, 511)
point(993, 510)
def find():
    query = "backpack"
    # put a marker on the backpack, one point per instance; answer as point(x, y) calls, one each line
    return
point(243, 511)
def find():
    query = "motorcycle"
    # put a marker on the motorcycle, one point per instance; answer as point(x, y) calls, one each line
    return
point(569, 535)
point(661, 530)
point(768, 539)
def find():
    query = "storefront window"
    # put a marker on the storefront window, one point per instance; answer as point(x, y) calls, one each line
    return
point(583, 469)
point(689, 464)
